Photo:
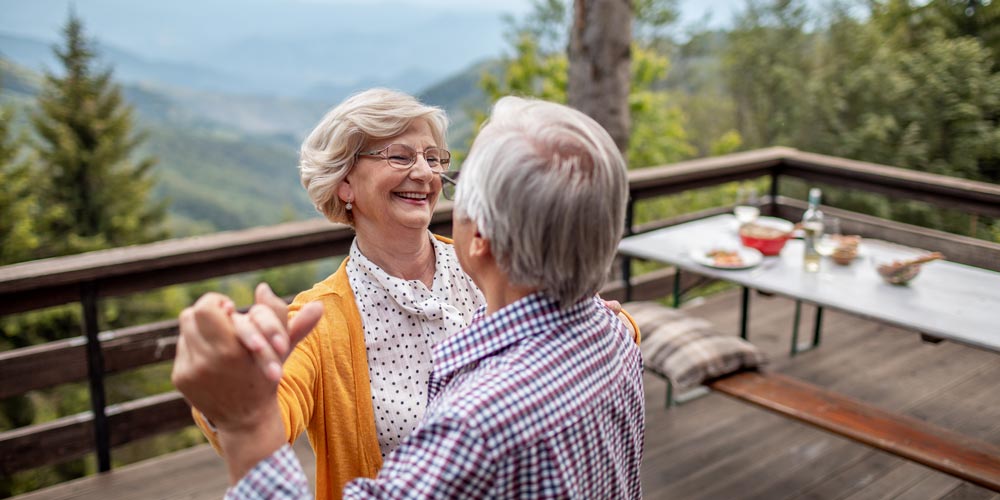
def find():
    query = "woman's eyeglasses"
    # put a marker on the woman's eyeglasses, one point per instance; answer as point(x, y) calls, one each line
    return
point(402, 157)
point(449, 182)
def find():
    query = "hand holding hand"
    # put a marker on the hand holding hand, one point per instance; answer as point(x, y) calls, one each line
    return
point(232, 386)
point(272, 336)
point(213, 370)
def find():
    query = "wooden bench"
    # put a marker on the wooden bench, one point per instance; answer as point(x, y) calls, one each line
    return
point(684, 349)
point(971, 460)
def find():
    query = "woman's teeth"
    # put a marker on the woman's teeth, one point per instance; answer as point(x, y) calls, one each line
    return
point(412, 196)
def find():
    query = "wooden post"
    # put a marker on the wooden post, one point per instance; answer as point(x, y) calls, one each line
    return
point(95, 373)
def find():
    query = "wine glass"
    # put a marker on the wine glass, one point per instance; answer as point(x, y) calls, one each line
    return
point(746, 210)
point(831, 235)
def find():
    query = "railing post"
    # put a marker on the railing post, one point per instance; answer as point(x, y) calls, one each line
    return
point(773, 192)
point(95, 373)
point(627, 261)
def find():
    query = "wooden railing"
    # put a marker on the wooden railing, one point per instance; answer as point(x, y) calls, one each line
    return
point(87, 278)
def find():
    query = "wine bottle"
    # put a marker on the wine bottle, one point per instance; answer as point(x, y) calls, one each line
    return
point(812, 227)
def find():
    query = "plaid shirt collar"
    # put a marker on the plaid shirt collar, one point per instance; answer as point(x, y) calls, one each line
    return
point(487, 335)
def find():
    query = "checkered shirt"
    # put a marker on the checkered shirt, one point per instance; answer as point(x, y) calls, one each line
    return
point(529, 402)
point(277, 477)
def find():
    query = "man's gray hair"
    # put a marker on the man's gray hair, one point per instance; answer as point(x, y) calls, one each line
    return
point(546, 185)
point(330, 151)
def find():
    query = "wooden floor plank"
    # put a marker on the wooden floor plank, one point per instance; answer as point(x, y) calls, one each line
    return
point(932, 486)
point(893, 483)
point(194, 474)
point(967, 491)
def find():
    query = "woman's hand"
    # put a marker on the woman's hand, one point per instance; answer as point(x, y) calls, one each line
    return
point(614, 305)
point(270, 336)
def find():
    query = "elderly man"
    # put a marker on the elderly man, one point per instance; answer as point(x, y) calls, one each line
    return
point(540, 396)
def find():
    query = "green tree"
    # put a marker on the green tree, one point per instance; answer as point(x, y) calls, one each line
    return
point(767, 64)
point(911, 23)
point(18, 205)
point(910, 85)
point(98, 193)
point(539, 68)
point(92, 193)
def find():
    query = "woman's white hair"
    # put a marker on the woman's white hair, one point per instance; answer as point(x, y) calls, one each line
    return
point(332, 148)
point(546, 185)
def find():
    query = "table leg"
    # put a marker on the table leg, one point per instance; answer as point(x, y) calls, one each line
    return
point(627, 277)
point(795, 327)
point(677, 287)
point(817, 326)
point(744, 313)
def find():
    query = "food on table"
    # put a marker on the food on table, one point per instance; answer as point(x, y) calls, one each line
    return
point(846, 249)
point(900, 272)
point(761, 232)
point(766, 235)
point(725, 258)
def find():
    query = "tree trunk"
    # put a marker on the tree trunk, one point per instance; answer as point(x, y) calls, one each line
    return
point(600, 57)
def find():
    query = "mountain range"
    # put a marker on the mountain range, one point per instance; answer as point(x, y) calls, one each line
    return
point(225, 160)
point(313, 49)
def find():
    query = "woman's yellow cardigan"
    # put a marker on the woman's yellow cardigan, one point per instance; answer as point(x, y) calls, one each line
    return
point(326, 392)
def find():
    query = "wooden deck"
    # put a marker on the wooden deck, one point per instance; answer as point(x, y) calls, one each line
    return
point(716, 448)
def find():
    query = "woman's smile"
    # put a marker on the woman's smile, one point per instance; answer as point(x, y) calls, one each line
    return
point(413, 197)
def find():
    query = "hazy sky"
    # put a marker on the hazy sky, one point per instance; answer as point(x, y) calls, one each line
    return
point(41, 18)
point(296, 45)
point(719, 11)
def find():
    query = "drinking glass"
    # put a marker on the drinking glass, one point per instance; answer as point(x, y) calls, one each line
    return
point(746, 210)
point(830, 239)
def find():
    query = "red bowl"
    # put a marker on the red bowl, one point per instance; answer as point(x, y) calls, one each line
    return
point(767, 246)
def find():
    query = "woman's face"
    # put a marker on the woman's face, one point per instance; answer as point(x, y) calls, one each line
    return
point(388, 199)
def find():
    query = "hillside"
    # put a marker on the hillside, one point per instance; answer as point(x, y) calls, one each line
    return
point(215, 176)
point(229, 161)
point(460, 95)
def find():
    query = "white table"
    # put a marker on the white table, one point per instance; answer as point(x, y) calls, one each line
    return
point(947, 300)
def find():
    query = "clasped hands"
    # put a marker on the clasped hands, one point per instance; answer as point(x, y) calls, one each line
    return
point(228, 366)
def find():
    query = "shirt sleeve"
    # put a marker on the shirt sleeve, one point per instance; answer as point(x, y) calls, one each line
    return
point(277, 477)
point(443, 458)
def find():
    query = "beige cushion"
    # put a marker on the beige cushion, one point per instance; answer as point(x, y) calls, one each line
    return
point(687, 350)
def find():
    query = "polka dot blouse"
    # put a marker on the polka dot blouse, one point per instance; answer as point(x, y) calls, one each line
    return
point(402, 321)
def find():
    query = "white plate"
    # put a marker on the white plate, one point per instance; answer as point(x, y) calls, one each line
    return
point(750, 256)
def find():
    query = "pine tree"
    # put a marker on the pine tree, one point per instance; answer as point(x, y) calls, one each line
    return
point(18, 204)
point(97, 194)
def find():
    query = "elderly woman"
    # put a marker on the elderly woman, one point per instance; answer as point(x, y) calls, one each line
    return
point(358, 384)
point(540, 396)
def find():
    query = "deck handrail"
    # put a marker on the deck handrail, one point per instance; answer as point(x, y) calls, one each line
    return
point(86, 278)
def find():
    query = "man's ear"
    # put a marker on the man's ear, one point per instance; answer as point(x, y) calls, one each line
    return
point(479, 247)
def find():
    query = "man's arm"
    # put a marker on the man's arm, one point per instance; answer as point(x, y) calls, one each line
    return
point(277, 477)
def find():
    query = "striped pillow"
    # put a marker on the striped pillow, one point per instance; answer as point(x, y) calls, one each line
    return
point(687, 350)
